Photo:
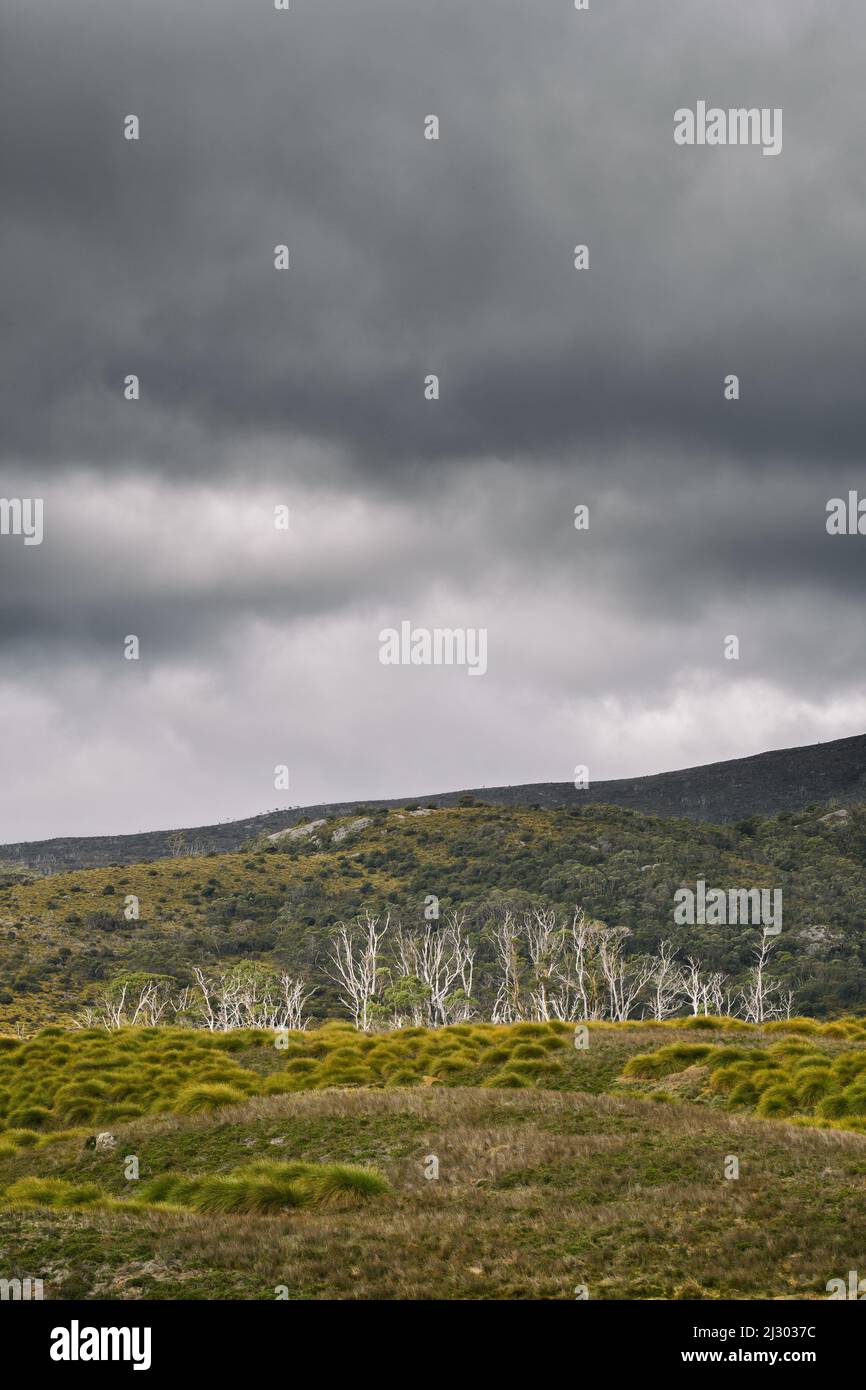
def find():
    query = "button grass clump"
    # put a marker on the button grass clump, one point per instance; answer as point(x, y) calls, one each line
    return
point(791, 1079)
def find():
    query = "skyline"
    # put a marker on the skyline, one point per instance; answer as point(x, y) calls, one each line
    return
point(664, 796)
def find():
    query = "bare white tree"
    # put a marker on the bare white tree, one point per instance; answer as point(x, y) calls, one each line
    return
point(355, 951)
point(625, 977)
point(715, 993)
point(755, 997)
point(545, 943)
point(580, 991)
point(579, 972)
point(705, 994)
point(294, 997)
point(247, 996)
point(443, 961)
point(665, 983)
point(694, 985)
point(209, 1003)
point(508, 1006)
point(461, 1003)
point(129, 1002)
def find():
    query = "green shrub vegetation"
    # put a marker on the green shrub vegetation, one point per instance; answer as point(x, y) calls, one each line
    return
point(277, 903)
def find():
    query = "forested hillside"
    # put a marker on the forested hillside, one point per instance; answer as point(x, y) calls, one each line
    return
point(63, 937)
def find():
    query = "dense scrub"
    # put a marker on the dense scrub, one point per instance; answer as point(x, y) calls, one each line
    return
point(63, 936)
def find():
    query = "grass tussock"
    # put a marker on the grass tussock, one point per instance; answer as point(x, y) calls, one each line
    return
point(95, 1079)
point(262, 1187)
point(539, 1191)
point(790, 1079)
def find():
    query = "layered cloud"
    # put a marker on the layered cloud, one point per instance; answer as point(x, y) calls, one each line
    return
point(304, 388)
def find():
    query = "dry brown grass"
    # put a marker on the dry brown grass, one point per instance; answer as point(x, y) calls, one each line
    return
point(538, 1192)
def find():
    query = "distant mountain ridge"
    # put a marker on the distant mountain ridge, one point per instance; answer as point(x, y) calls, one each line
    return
point(787, 779)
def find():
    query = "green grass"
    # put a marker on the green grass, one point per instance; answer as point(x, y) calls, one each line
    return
point(538, 1191)
point(260, 1187)
point(95, 1079)
point(259, 1168)
point(265, 1186)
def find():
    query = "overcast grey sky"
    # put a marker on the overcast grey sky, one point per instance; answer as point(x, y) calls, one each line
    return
point(305, 387)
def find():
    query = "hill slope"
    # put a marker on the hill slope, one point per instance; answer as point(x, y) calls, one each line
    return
point(786, 779)
point(63, 936)
point(538, 1191)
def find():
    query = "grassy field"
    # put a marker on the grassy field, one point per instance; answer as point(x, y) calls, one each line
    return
point(602, 1167)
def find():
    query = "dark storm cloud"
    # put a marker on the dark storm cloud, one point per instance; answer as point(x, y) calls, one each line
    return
point(601, 387)
point(411, 257)
point(186, 567)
